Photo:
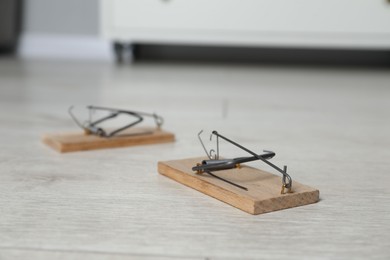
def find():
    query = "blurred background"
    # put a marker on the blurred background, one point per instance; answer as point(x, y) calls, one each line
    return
point(299, 32)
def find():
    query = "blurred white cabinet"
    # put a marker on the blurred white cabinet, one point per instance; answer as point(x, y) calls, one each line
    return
point(303, 23)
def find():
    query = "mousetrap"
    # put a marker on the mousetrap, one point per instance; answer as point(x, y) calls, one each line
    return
point(94, 136)
point(250, 189)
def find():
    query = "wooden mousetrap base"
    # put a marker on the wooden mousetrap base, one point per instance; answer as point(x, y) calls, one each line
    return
point(73, 142)
point(263, 194)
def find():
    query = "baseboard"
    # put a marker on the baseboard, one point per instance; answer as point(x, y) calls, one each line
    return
point(263, 55)
point(69, 47)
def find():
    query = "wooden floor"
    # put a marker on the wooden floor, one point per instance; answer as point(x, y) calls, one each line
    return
point(330, 126)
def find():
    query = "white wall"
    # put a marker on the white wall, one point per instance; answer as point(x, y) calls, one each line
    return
point(76, 17)
point(63, 29)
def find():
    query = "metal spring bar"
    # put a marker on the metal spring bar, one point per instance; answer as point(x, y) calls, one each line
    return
point(286, 179)
point(91, 127)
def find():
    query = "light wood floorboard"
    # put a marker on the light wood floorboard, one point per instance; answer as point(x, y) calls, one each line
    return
point(330, 126)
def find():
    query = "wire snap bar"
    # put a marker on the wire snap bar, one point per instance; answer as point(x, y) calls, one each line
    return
point(92, 126)
point(216, 164)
